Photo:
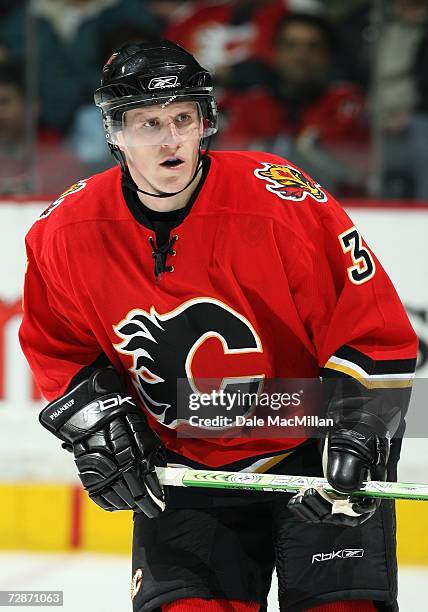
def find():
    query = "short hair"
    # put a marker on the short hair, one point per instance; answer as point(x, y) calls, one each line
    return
point(323, 24)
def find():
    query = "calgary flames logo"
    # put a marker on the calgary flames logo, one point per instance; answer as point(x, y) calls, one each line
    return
point(289, 183)
point(164, 349)
point(73, 189)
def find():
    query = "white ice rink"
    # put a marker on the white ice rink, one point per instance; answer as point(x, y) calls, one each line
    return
point(101, 583)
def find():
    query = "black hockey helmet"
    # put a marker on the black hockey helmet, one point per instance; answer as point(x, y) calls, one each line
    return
point(143, 74)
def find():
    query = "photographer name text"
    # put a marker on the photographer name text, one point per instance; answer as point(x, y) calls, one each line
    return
point(257, 421)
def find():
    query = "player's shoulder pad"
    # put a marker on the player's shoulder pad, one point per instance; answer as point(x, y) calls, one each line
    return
point(275, 175)
point(82, 200)
point(73, 190)
point(74, 200)
point(274, 187)
point(276, 184)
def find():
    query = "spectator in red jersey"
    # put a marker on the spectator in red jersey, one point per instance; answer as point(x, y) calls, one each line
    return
point(44, 166)
point(301, 113)
point(223, 35)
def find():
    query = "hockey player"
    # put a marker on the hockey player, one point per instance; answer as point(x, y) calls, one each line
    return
point(179, 264)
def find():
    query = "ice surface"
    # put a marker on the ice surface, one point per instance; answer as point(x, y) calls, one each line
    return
point(101, 583)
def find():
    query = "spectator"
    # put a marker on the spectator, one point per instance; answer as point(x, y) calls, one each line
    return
point(400, 100)
point(359, 31)
point(69, 34)
point(397, 46)
point(301, 113)
point(222, 35)
point(44, 166)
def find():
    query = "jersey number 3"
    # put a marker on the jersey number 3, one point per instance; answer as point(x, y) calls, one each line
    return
point(363, 267)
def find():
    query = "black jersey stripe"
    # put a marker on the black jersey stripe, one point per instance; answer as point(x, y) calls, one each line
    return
point(329, 373)
point(235, 466)
point(376, 366)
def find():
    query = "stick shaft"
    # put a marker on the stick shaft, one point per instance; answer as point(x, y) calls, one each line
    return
point(183, 477)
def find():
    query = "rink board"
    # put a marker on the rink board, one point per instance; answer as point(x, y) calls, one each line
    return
point(47, 517)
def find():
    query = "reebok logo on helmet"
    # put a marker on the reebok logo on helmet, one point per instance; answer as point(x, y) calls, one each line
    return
point(163, 82)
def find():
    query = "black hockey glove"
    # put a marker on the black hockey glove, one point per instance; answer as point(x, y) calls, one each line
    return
point(355, 449)
point(350, 456)
point(114, 448)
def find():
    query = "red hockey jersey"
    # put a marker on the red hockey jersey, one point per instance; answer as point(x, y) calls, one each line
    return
point(270, 279)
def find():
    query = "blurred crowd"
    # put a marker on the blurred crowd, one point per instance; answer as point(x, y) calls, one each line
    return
point(339, 88)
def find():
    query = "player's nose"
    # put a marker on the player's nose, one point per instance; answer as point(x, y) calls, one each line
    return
point(171, 137)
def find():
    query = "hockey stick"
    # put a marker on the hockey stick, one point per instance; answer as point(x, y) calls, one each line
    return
point(184, 477)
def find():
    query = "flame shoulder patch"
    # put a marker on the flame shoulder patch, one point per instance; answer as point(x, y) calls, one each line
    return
point(288, 183)
point(73, 189)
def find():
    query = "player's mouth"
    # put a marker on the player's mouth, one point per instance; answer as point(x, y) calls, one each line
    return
point(172, 162)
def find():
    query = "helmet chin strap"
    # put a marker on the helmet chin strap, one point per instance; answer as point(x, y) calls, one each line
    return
point(129, 182)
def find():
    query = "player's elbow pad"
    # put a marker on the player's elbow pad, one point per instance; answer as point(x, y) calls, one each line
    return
point(349, 403)
point(88, 406)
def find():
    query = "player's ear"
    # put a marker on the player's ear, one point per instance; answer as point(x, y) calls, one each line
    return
point(120, 141)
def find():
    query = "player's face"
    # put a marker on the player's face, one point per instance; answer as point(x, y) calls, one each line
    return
point(301, 53)
point(161, 144)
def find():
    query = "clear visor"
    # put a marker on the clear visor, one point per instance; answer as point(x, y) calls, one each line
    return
point(159, 125)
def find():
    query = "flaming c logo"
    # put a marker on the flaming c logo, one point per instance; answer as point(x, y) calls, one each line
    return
point(289, 183)
point(165, 347)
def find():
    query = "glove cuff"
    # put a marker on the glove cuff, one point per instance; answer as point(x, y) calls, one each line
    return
point(87, 406)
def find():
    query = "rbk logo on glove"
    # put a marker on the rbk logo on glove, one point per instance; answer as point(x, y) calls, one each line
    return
point(100, 405)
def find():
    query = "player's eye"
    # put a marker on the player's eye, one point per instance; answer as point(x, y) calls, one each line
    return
point(145, 124)
point(149, 124)
point(183, 118)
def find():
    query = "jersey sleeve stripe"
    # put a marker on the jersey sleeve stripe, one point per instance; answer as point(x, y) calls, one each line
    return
point(387, 381)
point(374, 366)
point(259, 463)
point(397, 373)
